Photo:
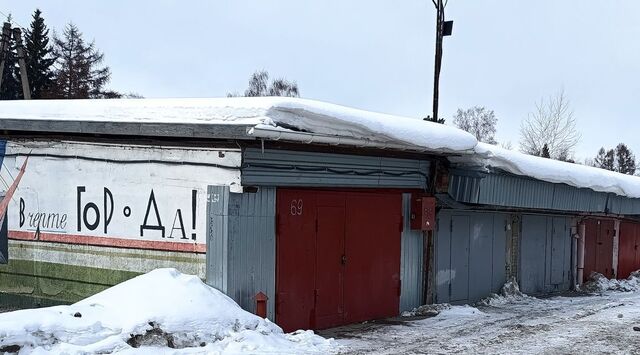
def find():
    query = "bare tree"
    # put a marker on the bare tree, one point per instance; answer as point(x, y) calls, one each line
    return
point(259, 86)
point(478, 121)
point(551, 124)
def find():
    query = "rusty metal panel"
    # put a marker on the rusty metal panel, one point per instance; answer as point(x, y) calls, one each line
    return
point(629, 249)
point(297, 168)
point(251, 248)
point(411, 260)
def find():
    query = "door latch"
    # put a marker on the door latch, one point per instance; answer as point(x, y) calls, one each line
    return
point(343, 260)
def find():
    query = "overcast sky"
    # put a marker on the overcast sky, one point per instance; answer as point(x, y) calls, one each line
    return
point(378, 54)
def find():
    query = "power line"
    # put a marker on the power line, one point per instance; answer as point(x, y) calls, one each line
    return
point(13, 21)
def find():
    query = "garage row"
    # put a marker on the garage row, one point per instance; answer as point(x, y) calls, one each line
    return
point(351, 249)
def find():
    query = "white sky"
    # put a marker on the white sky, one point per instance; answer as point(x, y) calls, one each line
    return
point(378, 54)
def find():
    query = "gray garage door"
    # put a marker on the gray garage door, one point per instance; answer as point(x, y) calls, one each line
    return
point(545, 254)
point(470, 255)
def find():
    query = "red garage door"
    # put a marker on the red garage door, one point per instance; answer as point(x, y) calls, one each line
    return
point(598, 255)
point(629, 249)
point(338, 257)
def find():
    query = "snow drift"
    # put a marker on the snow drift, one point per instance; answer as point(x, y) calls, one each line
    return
point(600, 283)
point(162, 308)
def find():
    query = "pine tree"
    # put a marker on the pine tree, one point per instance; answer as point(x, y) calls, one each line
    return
point(545, 151)
point(80, 75)
point(40, 58)
point(605, 159)
point(626, 161)
point(11, 86)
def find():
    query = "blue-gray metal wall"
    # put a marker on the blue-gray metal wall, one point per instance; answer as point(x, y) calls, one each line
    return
point(470, 253)
point(241, 247)
point(297, 168)
point(545, 254)
point(411, 261)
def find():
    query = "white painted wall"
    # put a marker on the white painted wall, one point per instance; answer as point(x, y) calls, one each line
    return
point(51, 191)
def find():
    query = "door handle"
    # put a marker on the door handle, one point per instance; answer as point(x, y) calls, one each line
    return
point(343, 260)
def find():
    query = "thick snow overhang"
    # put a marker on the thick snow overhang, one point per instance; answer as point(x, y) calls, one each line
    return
point(263, 118)
point(499, 177)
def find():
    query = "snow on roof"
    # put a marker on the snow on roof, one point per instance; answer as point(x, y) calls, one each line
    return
point(299, 120)
point(555, 171)
point(164, 303)
point(290, 115)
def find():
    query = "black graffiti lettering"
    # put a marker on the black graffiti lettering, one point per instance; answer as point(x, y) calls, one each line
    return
point(96, 222)
point(80, 190)
point(178, 218)
point(159, 226)
point(108, 212)
point(21, 212)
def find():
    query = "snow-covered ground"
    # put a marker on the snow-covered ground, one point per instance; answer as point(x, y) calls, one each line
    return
point(166, 312)
point(162, 311)
point(598, 323)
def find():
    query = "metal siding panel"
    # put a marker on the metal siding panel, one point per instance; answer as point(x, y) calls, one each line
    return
point(217, 236)
point(532, 253)
point(443, 257)
point(460, 225)
point(517, 191)
point(480, 255)
point(411, 260)
point(252, 249)
point(499, 252)
point(558, 246)
point(296, 168)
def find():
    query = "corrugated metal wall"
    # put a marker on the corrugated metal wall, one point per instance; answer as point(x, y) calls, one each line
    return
point(470, 252)
point(545, 254)
point(252, 248)
point(241, 245)
point(522, 192)
point(411, 261)
point(217, 236)
point(296, 168)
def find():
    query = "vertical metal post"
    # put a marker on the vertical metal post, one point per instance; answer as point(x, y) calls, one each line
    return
point(17, 35)
point(438, 57)
point(4, 47)
point(582, 228)
point(616, 248)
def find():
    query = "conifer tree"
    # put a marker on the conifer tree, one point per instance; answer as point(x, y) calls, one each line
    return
point(81, 75)
point(545, 151)
point(626, 161)
point(11, 86)
point(40, 58)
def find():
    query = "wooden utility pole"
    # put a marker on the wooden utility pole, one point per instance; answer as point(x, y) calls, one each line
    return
point(17, 35)
point(4, 47)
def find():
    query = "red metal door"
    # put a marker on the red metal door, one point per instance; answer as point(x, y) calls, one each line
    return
point(338, 257)
point(372, 272)
point(329, 260)
point(295, 259)
point(628, 249)
point(604, 258)
point(598, 255)
point(590, 243)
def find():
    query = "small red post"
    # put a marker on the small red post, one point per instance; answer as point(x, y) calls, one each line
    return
point(261, 305)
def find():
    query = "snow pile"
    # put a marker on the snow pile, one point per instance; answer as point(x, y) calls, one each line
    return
point(160, 309)
point(599, 283)
point(510, 293)
point(555, 171)
point(428, 310)
point(261, 113)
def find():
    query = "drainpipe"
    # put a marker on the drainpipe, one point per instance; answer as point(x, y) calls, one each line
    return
point(616, 247)
point(582, 228)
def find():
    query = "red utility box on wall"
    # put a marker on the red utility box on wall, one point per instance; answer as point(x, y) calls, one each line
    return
point(423, 212)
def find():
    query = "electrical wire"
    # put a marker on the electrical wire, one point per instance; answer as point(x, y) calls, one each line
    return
point(13, 21)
